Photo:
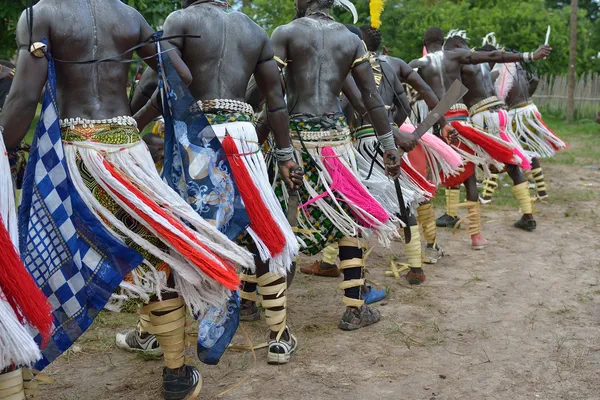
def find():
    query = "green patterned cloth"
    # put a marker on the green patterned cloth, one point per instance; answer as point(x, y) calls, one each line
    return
point(325, 231)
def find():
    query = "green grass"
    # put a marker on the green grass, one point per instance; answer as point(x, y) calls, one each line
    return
point(583, 137)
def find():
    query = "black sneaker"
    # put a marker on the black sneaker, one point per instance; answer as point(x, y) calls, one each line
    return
point(133, 340)
point(356, 318)
point(528, 225)
point(446, 221)
point(280, 351)
point(181, 384)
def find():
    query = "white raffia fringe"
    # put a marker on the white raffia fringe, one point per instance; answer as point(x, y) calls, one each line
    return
point(136, 166)
point(347, 224)
point(489, 121)
point(530, 130)
point(380, 185)
point(16, 344)
point(246, 140)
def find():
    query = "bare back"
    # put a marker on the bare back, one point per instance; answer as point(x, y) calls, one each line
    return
point(478, 79)
point(225, 57)
point(439, 71)
point(319, 53)
point(79, 30)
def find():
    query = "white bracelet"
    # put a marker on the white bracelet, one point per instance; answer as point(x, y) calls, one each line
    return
point(528, 57)
point(387, 141)
point(283, 155)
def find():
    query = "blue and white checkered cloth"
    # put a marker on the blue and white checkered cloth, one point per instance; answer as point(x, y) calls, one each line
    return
point(76, 262)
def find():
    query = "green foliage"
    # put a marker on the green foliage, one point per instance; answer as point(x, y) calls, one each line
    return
point(518, 24)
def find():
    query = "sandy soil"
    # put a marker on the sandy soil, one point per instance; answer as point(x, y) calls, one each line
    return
point(518, 320)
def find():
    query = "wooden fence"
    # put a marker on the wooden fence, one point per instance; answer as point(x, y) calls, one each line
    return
point(551, 95)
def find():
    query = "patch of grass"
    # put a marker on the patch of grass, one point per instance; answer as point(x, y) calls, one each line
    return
point(584, 138)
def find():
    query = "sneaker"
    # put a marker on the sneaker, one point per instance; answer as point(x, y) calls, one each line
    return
point(432, 253)
point(133, 340)
point(485, 200)
point(526, 224)
point(280, 351)
point(181, 384)
point(446, 221)
point(249, 311)
point(374, 295)
point(356, 318)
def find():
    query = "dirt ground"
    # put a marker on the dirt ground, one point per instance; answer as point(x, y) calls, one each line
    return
point(518, 320)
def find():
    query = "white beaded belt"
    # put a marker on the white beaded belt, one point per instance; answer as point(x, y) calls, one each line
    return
point(73, 122)
point(224, 105)
point(458, 107)
point(487, 103)
point(317, 136)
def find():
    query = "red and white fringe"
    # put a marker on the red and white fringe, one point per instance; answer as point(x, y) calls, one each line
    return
point(269, 227)
point(531, 131)
point(16, 344)
point(201, 258)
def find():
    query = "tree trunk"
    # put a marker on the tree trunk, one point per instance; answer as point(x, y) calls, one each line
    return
point(572, 63)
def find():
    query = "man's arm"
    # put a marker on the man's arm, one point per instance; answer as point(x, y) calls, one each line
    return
point(401, 102)
point(268, 81)
point(148, 52)
point(28, 83)
point(465, 56)
point(419, 62)
point(144, 89)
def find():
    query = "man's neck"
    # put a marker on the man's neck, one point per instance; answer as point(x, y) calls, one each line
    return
point(319, 11)
point(432, 48)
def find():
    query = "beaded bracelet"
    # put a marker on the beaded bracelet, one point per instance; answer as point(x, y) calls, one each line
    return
point(387, 141)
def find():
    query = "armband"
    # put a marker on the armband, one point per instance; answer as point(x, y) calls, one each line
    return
point(387, 141)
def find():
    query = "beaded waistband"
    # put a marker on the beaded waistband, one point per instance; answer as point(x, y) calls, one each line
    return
point(485, 104)
point(120, 121)
point(522, 105)
point(458, 107)
point(223, 105)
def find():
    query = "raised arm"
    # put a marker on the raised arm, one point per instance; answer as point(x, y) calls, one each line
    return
point(28, 83)
point(465, 56)
point(144, 89)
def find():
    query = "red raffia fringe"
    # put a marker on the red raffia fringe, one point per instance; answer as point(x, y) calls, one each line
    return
point(261, 220)
point(420, 180)
point(227, 277)
point(22, 293)
point(494, 147)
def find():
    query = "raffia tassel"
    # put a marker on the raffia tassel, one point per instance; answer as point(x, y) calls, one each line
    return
point(261, 220)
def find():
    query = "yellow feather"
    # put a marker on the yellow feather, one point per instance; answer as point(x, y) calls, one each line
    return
point(376, 8)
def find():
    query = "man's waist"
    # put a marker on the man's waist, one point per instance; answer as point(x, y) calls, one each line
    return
point(489, 103)
point(117, 130)
point(223, 105)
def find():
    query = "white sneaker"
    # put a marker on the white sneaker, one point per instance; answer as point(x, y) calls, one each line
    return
point(133, 340)
point(280, 351)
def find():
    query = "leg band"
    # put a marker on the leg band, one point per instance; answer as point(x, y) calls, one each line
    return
point(272, 287)
point(490, 185)
point(473, 216)
point(413, 248)
point(30, 385)
point(168, 324)
point(248, 286)
point(521, 192)
point(538, 177)
point(11, 385)
point(452, 199)
point(352, 265)
point(426, 218)
point(330, 254)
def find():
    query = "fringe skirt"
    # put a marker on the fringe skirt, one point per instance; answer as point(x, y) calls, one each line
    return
point(113, 172)
point(533, 134)
point(495, 123)
point(333, 201)
point(248, 156)
point(17, 347)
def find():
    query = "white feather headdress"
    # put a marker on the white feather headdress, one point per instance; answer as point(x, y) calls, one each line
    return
point(490, 39)
point(457, 32)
